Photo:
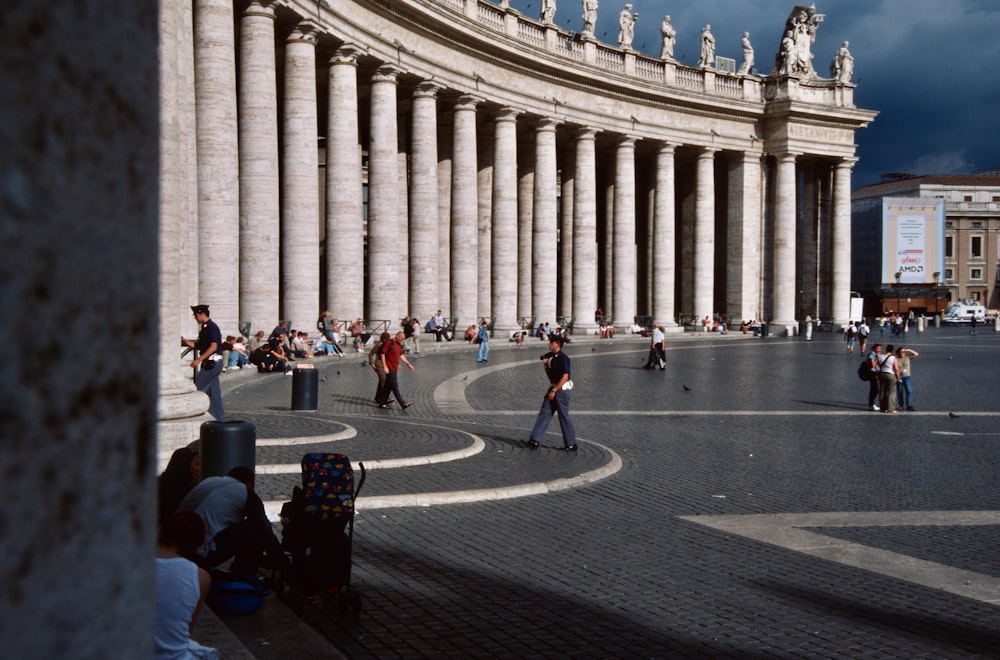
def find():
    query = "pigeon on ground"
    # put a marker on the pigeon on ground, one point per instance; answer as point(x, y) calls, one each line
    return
point(687, 389)
point(952, 415)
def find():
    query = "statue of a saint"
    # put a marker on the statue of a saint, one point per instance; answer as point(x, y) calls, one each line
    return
point(669, 39)
point(589, 16)
point(795, 57)
point(548, 10)
point(626, 23)
point(747, 55)
point(842, 67)
point(707, 57)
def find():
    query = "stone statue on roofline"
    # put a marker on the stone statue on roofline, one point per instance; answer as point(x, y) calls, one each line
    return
point(669, 39)
point(842, 67)
point(795, 56)
point(626, 24)
point(548, 11)
point(707, 57)
point(589, 16)
point(747, 64)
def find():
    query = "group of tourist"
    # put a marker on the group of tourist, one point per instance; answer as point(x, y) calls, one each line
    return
point(889, 385)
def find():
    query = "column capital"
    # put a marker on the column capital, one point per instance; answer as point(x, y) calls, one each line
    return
point(848, 163)
point(427, 89)
point(348, 53)
point(262, 8)
point(387, 73)
point(304, 32)
point(708, 152)
point(586, 133)
point(547, 124)
point(508, 113)
point(667, 147)
point(468, 102)
point(627, 141)
point(787, 155)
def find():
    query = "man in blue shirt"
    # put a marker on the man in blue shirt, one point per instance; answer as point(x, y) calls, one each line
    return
point(556, 400)
point(209, 360)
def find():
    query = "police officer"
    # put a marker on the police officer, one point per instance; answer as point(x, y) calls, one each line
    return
point(208, 362)
point(556, 400)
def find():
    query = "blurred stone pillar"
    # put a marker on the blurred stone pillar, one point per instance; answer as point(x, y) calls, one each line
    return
point(79, 207)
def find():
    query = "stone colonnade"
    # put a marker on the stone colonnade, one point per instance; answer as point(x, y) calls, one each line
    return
point(437, 198)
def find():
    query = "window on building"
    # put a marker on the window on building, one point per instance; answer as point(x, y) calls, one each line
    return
point(975, 273)
point(976, 247)
point(977, 225)
point(968, 198)
point(975, 296)
point(996, 198)
point(948, 252)
point(947, 274)
point(948, 225)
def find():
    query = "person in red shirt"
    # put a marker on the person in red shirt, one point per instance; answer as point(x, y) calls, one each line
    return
point(390, 355)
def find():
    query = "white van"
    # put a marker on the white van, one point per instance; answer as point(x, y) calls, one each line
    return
point(962, 313)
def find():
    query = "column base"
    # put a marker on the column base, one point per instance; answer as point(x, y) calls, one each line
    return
point(783, 328)
point(181, 417)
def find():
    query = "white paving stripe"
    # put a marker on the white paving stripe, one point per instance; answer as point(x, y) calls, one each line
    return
point(785, 530)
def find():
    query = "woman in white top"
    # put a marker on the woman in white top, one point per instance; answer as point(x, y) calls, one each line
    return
point(888, 378)
point(181, 588)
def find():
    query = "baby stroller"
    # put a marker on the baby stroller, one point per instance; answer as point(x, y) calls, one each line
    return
point(318, 529)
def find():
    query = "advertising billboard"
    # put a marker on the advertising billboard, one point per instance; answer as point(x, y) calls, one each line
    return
point(912, 240)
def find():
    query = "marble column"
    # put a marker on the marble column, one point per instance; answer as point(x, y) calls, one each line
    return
point(424, 202)
point(300, 183)
point(504, 232)
point(624, 269)
point(525, 215)
point(585, 232)
point(218, 161)
point(484, 220)
point(403, 211)
point(824, 240)
point(345, 243)
point(445, 129)
point(704, 236)
point(840, 287)
point(258, 151)
point(385, 300)
point(807, 243)
point(664, 255)
point(566, 198)
point(182, 408)
point(783, 314)
point(464, 209)
point(545, 221)
point(743, 297)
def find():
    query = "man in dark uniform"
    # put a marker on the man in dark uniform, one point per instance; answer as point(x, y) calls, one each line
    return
point(208, 362)
point(556, 400)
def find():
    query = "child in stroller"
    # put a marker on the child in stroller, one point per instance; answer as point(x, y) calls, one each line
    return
point(318, 528)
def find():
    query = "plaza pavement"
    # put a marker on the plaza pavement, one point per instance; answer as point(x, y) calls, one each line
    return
point(742, 503)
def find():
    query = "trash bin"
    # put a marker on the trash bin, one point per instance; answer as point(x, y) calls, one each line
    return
point(225, 445)
point(305, 388)
point(763, 329)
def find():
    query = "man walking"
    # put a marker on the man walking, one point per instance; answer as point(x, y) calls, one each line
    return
point(556, 400)
point(208, 361)
point(390, 355)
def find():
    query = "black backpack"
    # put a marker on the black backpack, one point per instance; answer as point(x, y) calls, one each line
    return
point(865, 370)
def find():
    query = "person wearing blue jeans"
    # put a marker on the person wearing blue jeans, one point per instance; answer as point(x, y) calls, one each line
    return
point(904, 391)
point(483, 339)
point(556, 401)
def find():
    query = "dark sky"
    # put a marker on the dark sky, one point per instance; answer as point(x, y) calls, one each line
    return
point(931, 68)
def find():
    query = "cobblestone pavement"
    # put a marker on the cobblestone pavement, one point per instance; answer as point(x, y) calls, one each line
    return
point(706, 527)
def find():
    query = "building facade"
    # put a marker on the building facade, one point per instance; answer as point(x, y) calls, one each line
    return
point(971, 237)
point(380, 158)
